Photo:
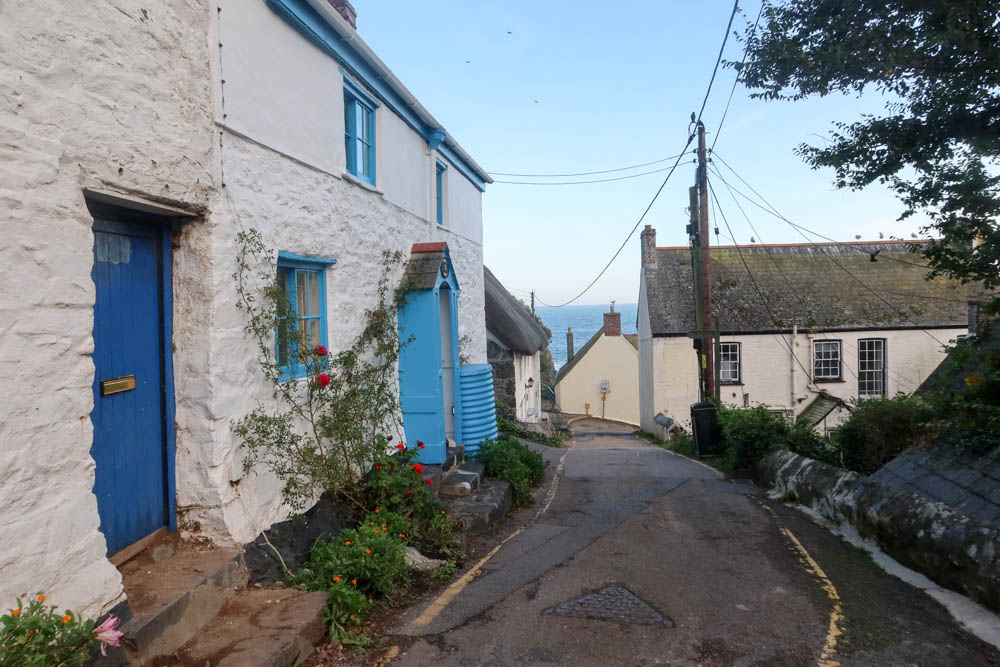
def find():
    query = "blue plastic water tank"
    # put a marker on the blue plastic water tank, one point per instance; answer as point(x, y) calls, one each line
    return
point(479, 414)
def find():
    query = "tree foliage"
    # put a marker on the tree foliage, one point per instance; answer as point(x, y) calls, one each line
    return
point(937, 145)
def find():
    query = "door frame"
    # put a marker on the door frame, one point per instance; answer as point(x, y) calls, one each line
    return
point(163, 225)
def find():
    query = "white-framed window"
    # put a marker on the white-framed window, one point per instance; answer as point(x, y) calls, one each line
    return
point(827, 360)
point(729, 363)
point(871, 367)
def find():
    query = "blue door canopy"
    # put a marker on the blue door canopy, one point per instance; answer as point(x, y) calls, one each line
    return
point(422, 374)
point(479, 414)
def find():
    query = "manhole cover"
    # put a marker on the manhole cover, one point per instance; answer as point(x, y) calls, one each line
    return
point(613, 603)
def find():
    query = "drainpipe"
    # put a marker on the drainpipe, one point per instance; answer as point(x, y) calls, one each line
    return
point(791, 348)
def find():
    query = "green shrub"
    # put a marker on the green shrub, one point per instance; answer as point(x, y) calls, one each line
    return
point(36, 634)
point(514, 463)
point(803, 439)
point(748, 434)
point(878, 429)
point(509, 426)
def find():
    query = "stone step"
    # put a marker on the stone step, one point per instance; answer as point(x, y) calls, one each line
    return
point(482, 509)
point(173, 591)
point(460, 483)
point(261, 627)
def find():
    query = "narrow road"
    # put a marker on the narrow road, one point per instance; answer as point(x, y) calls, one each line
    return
point(642, 557)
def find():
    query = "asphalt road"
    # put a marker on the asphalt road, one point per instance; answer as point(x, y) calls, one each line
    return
point(642, 557)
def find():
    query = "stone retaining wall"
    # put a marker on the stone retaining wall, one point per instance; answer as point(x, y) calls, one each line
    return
point(951, 548)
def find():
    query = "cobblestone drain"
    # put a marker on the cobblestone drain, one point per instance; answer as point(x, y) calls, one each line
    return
point(612, 603)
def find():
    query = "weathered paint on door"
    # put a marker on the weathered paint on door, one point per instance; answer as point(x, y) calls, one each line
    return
point(130, 435)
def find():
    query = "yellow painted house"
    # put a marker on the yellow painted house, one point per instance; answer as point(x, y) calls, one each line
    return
point(602, 379)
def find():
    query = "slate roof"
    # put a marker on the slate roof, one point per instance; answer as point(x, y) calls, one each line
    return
point(425, 262)
point(508, 320)
point(827, 286)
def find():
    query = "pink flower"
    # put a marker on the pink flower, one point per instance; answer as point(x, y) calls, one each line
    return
point(322, 379)
point(107, 635)
point(319, 351)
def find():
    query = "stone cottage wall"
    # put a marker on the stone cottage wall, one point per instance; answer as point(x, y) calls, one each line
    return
point(99, 95)
point(502, 361)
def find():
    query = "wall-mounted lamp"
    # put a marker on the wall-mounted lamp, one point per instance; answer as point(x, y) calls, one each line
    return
point(530, 384)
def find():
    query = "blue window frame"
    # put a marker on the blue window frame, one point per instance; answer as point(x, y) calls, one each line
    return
point(359, 132)
point(303, 280)
point(439, 189)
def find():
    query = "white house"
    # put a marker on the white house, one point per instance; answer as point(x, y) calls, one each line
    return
point(602, 379)
point(142, 139)
point(514, 341)
point(836, 321)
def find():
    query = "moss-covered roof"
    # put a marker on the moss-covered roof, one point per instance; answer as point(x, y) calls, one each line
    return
point(509, 320)
point(815, 286)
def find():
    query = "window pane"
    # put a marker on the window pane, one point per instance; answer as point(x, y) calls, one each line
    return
point(314, 332)
point(300, 286)
point(313, 293)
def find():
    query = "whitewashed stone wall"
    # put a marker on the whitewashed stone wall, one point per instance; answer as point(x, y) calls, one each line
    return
point(114, 95)
point(303, 210)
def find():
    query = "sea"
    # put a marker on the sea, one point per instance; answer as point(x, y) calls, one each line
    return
point(585, 320)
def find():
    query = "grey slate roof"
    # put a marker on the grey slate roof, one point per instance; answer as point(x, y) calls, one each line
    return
point(424, 264)
point(507, 319)
point(967, 482)
point(815, 286)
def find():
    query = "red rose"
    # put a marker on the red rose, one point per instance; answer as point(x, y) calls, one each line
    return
point(420, 444)
point(428, 480)
point(409, 492)
point(378, 466)
point(400, 446)
point(377, 313)
point(319, 351)
point(322, 379)
point(419, 468)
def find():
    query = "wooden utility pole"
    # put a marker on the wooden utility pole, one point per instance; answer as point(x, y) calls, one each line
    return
point(703, 276)
point(532, 302)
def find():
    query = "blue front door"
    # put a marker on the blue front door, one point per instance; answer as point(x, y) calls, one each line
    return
point(129, 395)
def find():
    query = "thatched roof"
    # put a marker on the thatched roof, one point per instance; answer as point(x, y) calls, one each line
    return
point(508, 320)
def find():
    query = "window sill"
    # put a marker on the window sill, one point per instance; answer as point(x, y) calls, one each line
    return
point(351, 178)
point(723, 383)
point(828, 381)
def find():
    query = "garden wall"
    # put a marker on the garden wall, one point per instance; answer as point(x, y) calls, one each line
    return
point(951, 548)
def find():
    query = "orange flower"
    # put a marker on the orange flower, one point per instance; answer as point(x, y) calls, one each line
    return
point(402, 534)
point(41, 598)
point(444, 512)
point(368, 551)
point(31, 634)
point(15, 612)
point(348, 543)
point(336, 578)
point(376, 531)
point(377, 510)
point(66, 619)
point(354, 581)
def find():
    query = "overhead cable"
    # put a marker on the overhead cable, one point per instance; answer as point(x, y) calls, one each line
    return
point(583, 173)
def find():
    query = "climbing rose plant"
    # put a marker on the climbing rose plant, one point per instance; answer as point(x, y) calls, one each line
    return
point(329, 426)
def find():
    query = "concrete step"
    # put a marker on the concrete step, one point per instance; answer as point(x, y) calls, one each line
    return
point(261, 627)
point(484, 508)
point(174, 590)
point(460, 483)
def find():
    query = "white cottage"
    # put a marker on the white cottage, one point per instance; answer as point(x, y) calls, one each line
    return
point(143, 138)
point(841, 321)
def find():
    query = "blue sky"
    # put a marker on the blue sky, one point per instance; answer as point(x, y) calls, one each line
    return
point(560, 87)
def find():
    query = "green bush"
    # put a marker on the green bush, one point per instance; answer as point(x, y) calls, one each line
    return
point(514, 463)
point(39, 635)
point(509, 426)
point(803, 439)
point(878, 429)
point(748, 434)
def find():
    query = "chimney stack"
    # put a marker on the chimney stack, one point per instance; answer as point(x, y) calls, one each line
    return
point(612, 322)
point(649, 247)
point(346, 9)
point(569, 343)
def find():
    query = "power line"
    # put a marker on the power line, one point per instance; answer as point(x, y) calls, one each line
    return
point(841, 266)
point(763, 299)
point(601, 180)
point(725, 38)
point(669, 174)
point(583, 173)
point(753, 31)
point(773, 211)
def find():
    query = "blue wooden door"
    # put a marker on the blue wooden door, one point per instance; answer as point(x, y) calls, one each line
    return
point(129, 396)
